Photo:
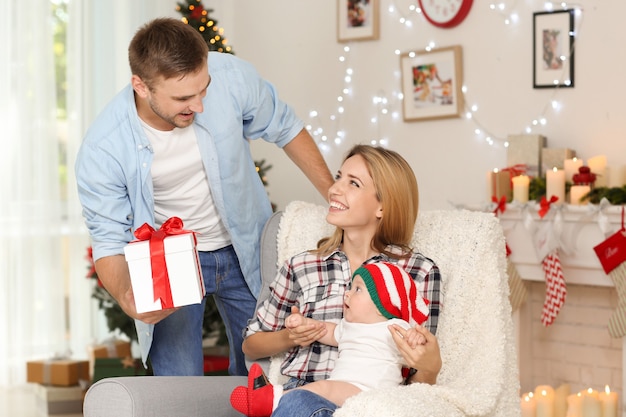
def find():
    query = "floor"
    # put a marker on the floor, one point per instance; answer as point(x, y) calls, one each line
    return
point(21, 402)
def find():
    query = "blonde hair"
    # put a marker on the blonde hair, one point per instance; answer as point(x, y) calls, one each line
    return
point(396, 190)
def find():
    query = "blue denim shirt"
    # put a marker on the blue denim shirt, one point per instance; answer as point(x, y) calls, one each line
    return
point(114, 161)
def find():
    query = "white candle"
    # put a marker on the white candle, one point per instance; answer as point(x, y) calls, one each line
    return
point(597, 164)
point(560, 400)
point(608, 402)
point(616, 176)
point(573, 405)
point(521, 184)
point(576, 192)
point(590, 404)
point(555, 184)
point(528, 405)
point(544, 400)
point(570, 166)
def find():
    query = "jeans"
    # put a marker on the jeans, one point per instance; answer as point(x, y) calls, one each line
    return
point(302, 403)
point(177, 345)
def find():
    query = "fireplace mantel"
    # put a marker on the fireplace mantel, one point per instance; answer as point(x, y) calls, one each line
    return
point(581, 228)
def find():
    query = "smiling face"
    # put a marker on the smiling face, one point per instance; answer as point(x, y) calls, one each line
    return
point(172, 102)
point(358, 306)
point(353, 202)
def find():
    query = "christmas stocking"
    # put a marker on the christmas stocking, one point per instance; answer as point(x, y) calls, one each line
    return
point(612, 256)
point(556, 290)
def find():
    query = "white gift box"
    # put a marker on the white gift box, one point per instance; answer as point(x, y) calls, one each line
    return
point(183, 268)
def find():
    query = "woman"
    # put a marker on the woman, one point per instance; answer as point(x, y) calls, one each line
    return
point(374, 205)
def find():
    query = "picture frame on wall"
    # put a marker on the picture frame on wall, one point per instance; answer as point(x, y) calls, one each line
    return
point(357, 20)
point(553, 49)
point(432, 83)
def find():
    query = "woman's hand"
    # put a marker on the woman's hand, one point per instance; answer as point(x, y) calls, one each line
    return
point(303, 331)
point(425, 357)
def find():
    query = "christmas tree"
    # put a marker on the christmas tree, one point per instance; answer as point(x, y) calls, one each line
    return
point(195, 15)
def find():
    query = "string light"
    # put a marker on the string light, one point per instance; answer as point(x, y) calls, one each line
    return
point(382, 103)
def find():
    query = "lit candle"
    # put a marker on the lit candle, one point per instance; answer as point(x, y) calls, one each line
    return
point(544, 400)
point(608, 401)
point(560, 400)
point(555, 184)
point(589, 404)
point(521, 184)
point(570, 166)
point(528, 405)
point(597, 164)
point(573, 405)
point(576, 192)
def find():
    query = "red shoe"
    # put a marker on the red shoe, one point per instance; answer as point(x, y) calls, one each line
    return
point(255, 400)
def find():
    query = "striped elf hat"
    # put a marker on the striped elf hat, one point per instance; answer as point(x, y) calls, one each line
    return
point(394, 292)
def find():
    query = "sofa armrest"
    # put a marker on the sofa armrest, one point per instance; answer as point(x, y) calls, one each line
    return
point(172, 396)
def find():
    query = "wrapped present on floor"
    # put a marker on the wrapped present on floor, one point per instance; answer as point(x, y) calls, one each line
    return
point(58, 372)
point(113, 367)
point(109, 348)
point(164, 267)
point(526, 150)
point(58, 400)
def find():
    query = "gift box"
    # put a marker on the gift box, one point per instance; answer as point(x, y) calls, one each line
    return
point(58, 400)
point(526, 150)
point(113, 367)
point(111, 348)
point(178, 259)
point(555, 157)
point(58, 372)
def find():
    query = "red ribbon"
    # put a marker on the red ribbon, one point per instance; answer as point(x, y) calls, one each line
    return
point(545, 205)
point(515, 170)
point(160, 277)
point(500, 205)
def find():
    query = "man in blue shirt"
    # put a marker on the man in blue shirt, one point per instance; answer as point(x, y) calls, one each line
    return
point(175, 142)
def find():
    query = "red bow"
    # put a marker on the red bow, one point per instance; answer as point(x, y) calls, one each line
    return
point(501, 205)
point(515, 170)
point(160, 277)
point(545, 205)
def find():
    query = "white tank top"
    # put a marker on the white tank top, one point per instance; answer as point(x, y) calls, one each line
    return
point(181, 187)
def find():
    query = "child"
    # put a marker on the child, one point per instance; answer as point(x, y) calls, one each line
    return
point(381, 294)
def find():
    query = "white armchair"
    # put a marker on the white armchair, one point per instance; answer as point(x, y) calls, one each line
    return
point(479, 376)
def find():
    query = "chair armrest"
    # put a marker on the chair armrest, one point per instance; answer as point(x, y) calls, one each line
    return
point(171, 396)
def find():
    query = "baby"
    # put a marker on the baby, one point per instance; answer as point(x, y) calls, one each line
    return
point(381, 294)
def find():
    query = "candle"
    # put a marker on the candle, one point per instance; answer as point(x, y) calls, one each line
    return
point(555, 184)
point(616, 176)
point(570, 166)
point(576, 192)
point(521, 184)
point(608, 402)
point(573, 405)
point(597, 164)
point(528, 405)
point(544, 401)
point(590, 404)
point(560, 400)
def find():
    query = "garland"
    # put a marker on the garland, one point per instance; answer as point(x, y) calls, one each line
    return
point(614, 195)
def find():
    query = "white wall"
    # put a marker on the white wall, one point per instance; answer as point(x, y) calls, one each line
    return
point(293, 44)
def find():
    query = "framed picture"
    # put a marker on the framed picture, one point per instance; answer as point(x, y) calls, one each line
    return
point(553, 49)
point(432, 84)
point(357, 20)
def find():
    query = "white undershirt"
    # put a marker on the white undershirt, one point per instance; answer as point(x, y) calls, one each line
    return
point(181, 187)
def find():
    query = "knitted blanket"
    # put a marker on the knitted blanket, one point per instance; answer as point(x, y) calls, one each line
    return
point(479, 376)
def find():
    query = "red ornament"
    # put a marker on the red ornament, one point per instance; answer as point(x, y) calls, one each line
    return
point(584, 176)
point(196, 12)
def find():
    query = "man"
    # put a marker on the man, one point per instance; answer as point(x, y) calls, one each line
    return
point(175, 143)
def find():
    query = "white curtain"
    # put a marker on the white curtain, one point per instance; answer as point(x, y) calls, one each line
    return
point(45, 300)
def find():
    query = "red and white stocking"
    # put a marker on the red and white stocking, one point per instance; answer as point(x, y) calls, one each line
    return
point(617, 322)
point(556, 290)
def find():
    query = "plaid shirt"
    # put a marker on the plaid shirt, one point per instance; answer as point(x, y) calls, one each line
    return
point(317, 285)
